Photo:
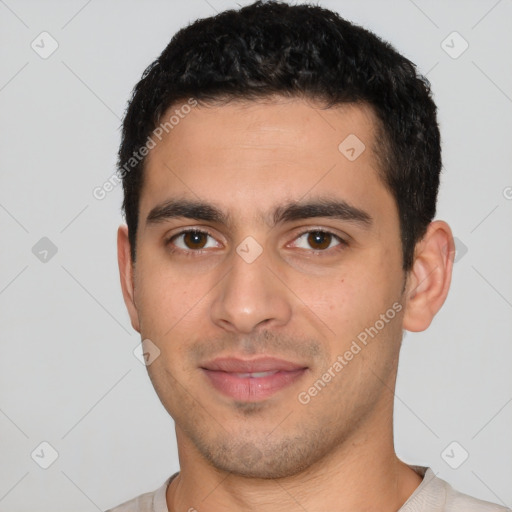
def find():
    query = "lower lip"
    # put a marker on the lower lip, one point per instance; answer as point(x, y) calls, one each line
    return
point(252, 389)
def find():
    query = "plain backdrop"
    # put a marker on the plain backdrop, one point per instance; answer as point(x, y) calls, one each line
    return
point(68, 374)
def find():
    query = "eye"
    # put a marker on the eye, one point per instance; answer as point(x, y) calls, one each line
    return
point(318, 240)
point(193, 240)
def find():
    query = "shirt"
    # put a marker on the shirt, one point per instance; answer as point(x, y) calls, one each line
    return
point(432, 495)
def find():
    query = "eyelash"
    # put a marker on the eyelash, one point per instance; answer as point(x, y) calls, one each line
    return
point(194, 253)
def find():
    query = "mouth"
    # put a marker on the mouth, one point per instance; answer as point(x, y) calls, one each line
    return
point(251, 380)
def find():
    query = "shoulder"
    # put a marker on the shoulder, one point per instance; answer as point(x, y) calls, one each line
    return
point(142, 503)
point(437, 495)
point(457, 501)
point(154, 501)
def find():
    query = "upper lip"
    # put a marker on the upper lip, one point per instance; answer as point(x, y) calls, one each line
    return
point(262, 364)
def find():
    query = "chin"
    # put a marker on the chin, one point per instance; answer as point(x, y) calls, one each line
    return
point(281, 459)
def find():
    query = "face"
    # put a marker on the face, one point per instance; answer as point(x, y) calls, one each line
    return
point(269, 276)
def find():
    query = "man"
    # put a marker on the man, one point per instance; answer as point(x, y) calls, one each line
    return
point(280, 169)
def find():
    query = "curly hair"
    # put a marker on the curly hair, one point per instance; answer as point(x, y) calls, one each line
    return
point(273, 48)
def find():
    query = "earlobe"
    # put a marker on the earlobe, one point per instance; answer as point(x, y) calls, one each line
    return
point(429, 279)
point(126, 274)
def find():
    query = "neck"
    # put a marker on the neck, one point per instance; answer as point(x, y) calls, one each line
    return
point(363, 473)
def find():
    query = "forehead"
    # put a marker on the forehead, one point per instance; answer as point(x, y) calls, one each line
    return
point(251, 156)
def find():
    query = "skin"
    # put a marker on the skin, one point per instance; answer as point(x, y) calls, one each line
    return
point(298, 301)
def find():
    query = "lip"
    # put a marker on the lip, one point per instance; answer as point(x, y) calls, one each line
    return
point(251, 380)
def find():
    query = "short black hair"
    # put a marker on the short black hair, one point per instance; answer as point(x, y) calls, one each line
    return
point(306, 51)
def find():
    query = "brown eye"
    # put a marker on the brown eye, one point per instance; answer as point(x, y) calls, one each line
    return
point(195, 239)
point(319, 240)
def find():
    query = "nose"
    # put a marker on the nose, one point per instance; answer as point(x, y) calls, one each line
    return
point(250, 296)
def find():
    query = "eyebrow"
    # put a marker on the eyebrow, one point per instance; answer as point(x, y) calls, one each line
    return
point(291, 211)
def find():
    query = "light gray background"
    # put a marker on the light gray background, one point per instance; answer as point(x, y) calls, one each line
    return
point(68, 375)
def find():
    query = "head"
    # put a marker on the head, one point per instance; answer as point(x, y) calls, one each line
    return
point(301, 155)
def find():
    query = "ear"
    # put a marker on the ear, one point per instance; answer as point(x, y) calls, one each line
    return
point(429, 279)
point(126, 273)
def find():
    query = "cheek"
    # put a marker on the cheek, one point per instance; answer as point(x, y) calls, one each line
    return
point(353, 298)
point(166, 301)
